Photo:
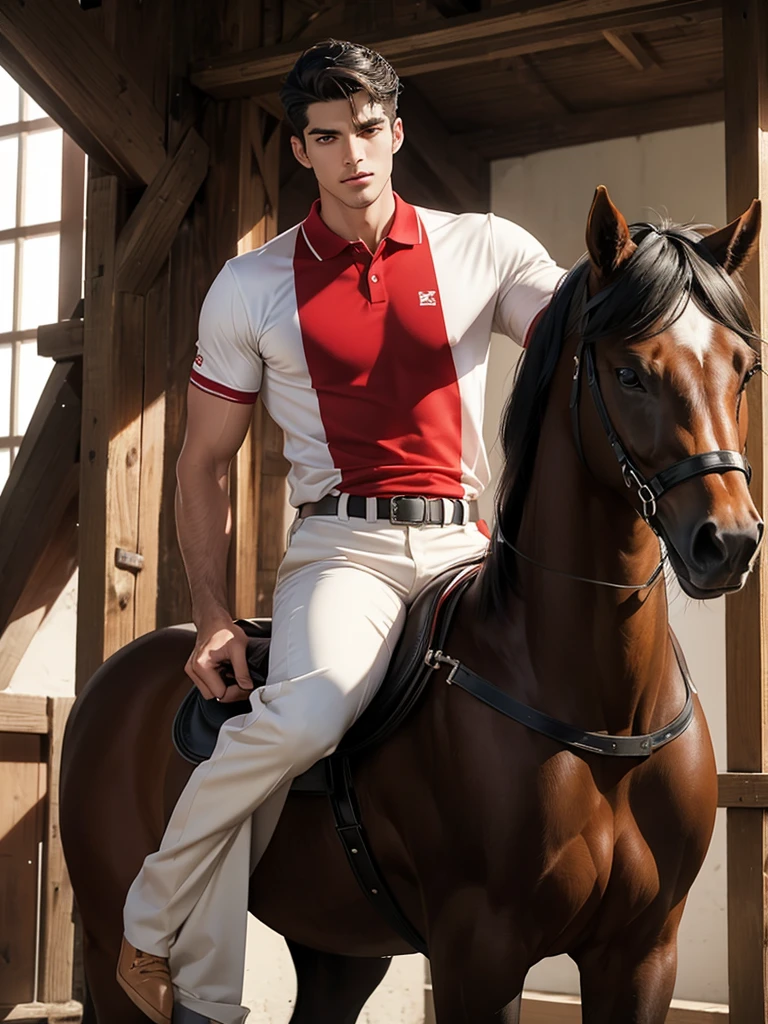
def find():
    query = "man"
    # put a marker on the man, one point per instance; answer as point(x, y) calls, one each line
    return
point(365, 329)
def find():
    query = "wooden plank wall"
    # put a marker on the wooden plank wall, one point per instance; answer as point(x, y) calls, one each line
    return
point(138, 347)
point(22, 825)
point(35, 963)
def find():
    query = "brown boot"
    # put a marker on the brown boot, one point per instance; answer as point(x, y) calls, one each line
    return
point(146, 979)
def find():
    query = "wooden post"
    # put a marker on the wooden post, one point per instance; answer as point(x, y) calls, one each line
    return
point(258, 477)
point(745, 44)
point(110, 440)
point(56, 940)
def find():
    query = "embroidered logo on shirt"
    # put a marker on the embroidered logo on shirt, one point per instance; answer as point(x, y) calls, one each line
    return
point(427, 299)
point(198, 360)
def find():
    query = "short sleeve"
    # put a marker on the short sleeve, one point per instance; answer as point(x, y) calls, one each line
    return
point(526, 275)
point(227, 363)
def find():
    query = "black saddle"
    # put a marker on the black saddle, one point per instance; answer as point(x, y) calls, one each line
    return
point(198, 721)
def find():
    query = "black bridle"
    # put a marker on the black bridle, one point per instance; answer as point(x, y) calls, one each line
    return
point(648, 490)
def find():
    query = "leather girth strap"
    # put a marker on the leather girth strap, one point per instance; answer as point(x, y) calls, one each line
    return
point(346, 813)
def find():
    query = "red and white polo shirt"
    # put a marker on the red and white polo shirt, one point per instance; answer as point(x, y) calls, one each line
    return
point(374, 365)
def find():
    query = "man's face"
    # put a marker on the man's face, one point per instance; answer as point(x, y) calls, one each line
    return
point(351, 161)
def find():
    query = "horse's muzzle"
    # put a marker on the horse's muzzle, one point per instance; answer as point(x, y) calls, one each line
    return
point(718, 560)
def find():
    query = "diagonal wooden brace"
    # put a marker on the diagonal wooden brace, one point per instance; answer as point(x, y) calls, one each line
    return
point(146, 239)
point(61, 60)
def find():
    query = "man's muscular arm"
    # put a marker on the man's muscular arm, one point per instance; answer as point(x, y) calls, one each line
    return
point(215, 430)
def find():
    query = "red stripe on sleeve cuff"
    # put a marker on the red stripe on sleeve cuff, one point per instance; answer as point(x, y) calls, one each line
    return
point(212, 387)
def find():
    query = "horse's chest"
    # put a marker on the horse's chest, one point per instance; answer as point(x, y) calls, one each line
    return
point(609, 864)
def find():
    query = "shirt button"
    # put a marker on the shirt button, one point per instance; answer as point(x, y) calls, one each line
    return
point(374, 278)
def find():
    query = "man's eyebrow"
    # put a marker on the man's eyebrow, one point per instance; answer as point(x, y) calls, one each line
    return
point(372, 122)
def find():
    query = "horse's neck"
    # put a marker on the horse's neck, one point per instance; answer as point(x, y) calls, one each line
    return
point(595, 650)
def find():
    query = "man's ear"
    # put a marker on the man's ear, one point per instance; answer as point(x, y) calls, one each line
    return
point(398, 134)
point(297, 145)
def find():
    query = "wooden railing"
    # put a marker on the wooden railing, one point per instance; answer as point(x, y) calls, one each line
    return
point(36, 930)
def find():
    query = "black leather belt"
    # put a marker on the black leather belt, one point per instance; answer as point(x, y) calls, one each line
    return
point(405, 509)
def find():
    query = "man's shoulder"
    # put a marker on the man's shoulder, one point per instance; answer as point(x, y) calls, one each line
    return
point(435, 221)
point(272, 255)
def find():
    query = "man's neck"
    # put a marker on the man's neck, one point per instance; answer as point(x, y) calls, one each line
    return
point(370, 224)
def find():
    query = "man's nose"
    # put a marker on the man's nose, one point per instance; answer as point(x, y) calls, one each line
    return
point(354, 151)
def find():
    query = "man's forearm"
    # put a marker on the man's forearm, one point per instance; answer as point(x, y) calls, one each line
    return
point(203, 524)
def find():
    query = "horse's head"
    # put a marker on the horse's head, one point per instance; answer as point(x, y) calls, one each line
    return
point(671, 378)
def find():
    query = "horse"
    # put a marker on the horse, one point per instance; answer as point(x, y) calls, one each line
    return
point(504, 843)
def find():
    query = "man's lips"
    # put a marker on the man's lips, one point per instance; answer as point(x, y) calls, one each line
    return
point(358, 177)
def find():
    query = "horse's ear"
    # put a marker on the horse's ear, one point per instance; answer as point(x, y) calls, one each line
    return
point(608, 239)
point(735, 244)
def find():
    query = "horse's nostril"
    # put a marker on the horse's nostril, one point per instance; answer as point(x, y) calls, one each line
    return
point(708, 550)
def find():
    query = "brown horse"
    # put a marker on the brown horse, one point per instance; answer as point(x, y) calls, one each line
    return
point(502, 845)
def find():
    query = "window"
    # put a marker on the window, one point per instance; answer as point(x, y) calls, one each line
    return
point(39, 167)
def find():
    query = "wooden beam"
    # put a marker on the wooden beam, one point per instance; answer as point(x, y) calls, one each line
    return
point(41, 485)
point(257, 483)
point(631, 49)
point(462, 172)
point(455, 8)
point(113, 398)
point(57, 937)
point(745, 52)
point(48, 578)
point(55, 1013)
point(146, 239)
point(742, 789)
point(24, 713)
point(72, 227)
point(501, 31)
point(530, 77)
point(523, 137)
point(62, 342)
point(69, 69)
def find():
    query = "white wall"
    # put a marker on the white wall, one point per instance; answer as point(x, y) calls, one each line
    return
point(679, 174)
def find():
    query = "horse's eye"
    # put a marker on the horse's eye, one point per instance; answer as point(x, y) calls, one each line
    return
point(629, 379)
point(757, 368)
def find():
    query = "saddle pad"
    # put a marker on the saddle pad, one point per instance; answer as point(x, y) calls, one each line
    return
point(197, 722)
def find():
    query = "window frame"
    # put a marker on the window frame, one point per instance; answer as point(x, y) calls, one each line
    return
point(69, 228)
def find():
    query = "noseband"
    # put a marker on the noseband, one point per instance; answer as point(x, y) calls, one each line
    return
point(648, 490)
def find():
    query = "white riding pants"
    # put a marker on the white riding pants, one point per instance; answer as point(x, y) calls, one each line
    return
point(339, 607)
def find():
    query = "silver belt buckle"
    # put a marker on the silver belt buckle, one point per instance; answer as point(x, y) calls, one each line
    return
point(407, 522)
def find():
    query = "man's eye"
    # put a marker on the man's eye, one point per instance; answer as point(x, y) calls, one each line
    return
point(629, 379)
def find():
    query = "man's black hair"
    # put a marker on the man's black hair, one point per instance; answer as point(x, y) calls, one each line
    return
point(334, 70)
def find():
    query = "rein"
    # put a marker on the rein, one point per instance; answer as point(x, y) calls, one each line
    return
point(650, 582)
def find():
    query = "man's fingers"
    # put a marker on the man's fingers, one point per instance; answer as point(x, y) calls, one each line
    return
point(199, 683)
point(234, 693)
point(208, 674)
point(236, 651)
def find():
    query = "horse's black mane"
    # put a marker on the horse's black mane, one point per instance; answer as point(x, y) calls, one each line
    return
point(668, 267)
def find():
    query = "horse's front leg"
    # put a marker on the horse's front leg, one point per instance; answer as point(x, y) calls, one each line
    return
point(625, 982)
point(475, 986)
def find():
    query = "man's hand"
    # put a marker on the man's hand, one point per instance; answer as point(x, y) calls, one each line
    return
point(219, 644)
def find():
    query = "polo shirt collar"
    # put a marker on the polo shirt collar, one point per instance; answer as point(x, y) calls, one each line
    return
point(325, 244)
